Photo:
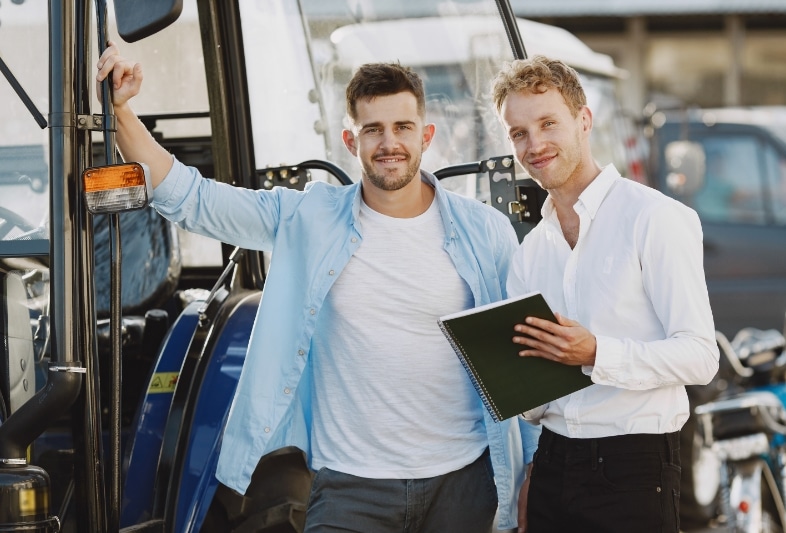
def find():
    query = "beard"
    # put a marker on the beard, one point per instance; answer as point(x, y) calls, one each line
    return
point(392, 181)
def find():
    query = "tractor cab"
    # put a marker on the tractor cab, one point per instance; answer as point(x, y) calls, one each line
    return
point(123, 335)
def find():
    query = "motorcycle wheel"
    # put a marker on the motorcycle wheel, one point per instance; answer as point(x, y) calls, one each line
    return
point(701, 467)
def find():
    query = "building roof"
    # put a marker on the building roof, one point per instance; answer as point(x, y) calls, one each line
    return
point(629, 8)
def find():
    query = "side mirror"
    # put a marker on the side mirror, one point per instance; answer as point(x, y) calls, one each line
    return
point(137, 19)
point(686, 165)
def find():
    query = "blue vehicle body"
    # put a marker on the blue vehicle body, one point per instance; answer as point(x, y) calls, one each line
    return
point(211, 397)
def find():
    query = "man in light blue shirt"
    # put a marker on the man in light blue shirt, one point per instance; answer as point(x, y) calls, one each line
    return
point(346, 360)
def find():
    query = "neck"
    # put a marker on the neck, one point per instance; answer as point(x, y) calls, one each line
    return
point(408, 202)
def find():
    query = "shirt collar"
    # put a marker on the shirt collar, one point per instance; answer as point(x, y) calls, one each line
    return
point(593, 195)
point(441, 199)
point(442, 202)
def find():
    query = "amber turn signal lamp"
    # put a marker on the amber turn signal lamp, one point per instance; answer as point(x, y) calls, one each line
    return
point(116, 188)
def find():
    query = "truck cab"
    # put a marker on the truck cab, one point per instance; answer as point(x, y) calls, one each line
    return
point(729, 164)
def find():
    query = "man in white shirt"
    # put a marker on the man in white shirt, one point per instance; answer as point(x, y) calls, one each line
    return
point(622, 266)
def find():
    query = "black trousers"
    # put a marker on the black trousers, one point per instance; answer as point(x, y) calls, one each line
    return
point(625, 484)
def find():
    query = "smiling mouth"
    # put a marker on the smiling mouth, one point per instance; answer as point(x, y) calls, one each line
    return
point(541, 162)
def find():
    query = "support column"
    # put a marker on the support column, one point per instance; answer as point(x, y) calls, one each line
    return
point(633, 56)
point(732, 84)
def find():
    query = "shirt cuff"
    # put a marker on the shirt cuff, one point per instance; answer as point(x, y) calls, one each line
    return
point(534, 415)
point(609, 361)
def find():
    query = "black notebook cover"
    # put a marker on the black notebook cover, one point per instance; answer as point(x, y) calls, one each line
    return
point(508, 383)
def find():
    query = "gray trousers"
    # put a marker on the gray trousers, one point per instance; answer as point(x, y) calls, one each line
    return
point(464, 501)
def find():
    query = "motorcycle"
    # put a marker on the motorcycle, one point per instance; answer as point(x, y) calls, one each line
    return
point(745, 429)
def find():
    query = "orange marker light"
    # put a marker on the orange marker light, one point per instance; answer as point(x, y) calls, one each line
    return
point(116, 188)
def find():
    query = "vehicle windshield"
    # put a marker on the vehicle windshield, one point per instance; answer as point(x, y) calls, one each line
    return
point(457, 46)
point(24, 174)
point(297, 90)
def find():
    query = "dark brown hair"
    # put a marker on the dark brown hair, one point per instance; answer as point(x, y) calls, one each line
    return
point(383, 79)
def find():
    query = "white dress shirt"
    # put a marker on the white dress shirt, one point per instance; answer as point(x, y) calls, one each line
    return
point(635, 279)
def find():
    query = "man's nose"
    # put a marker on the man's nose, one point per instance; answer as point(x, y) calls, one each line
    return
point(534, 142)
point(389, 138)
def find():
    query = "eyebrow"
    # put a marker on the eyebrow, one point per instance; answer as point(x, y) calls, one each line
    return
point(378, 124)
point(546, 116)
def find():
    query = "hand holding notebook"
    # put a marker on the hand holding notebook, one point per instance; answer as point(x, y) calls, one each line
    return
point(508, 383)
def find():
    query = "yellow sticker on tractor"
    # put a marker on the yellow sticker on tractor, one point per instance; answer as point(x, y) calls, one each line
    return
point(163, 382)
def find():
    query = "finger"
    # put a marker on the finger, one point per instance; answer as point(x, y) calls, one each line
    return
point(535, 333)
point(138, 76)
point(526, 329)
point(539, 353)
point(546, 325)
point(124, 71)
point(111, 50)
point(107, 65)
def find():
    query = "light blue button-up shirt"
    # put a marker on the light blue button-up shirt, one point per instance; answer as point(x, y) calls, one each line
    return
point(314, 233)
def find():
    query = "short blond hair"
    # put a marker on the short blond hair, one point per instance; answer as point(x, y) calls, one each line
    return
point(537, 75)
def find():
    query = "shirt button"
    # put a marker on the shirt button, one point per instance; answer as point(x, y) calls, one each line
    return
point(332, 272)
point(267, 430)
point(313, 311)
point(286, 390)
point(301, 352)
point(354, 239)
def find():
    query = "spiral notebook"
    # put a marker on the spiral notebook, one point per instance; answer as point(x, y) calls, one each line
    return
point(508, 383)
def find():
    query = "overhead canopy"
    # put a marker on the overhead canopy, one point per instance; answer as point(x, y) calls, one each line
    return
point(629, 8)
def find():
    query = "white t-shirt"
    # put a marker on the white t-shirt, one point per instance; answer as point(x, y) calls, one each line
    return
point(391, 399)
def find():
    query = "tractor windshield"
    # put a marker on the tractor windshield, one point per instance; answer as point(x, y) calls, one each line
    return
point(24, 181)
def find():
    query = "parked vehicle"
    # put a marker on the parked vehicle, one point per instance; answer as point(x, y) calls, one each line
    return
point(730, 166)
point(746, 430)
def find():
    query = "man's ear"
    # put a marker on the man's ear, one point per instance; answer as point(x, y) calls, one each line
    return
point(586, 118)
point(349, 141)
point(428, 135)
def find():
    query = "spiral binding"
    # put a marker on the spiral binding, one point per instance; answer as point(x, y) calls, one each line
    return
point(491, 407)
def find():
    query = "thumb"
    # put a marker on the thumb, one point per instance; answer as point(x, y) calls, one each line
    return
point(564, 321)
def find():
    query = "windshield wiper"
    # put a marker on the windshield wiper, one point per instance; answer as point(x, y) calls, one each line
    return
point(39, 118)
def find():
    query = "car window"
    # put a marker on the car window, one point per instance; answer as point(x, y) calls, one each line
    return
point(776, 185)
point(733, 180)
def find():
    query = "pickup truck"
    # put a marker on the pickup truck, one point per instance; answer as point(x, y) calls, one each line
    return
point(729, 164)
